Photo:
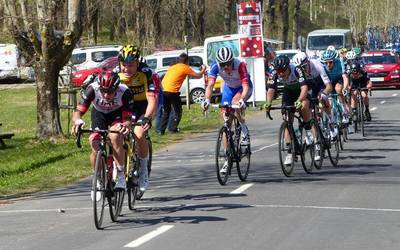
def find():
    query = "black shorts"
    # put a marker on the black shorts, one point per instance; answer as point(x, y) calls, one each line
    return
point(103, 121)
point(139, 109)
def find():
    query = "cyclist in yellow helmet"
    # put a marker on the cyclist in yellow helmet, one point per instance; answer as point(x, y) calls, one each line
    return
point(139, 78)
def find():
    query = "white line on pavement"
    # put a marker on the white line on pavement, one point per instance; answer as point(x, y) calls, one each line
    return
point(382, 102)
point(44, 210)
point(149, 236)
point(242, 188)
point(373, 108)
point(395, 94)
point(332, 208)
point(258, 150)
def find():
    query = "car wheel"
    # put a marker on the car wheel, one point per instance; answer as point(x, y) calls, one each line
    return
point(197, 95)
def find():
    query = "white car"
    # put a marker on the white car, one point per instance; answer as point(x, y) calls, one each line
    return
point(91, 57)
point(197, 87)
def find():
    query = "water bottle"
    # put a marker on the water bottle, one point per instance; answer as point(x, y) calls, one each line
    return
point(298, 135)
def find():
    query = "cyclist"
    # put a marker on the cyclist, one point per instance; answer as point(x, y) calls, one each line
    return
point(336, 71)
point(236, 90)
point(139, 78)
point(112, 108)
point(359, 78)
point(294, 93)
point(318, 81)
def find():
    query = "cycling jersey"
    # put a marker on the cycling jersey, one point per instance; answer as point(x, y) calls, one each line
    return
point(361, 82)
point(236, 79)
point(335, 74)
point(122, 100)
point(317, 79)
point(295, 79)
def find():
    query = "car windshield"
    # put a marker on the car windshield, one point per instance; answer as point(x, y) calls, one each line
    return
point(322, 42)
point(78, 58)
point(380, 59)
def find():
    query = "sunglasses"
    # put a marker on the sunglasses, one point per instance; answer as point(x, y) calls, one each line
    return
point(328, 62)
point(225, 64)
point(354, 71)
point(107, 90)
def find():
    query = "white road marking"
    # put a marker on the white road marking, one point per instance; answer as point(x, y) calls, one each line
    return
point(395, 94)
point(149, 236)
point(261, 149)
point(373, 108)
point(333, 208)
point(242, 188)
point(382, 102)
point(44, 210)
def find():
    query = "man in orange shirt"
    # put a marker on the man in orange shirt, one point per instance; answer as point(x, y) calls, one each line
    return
point(171, 84)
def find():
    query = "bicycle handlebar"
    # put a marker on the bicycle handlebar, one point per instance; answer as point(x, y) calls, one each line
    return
point(289, 108)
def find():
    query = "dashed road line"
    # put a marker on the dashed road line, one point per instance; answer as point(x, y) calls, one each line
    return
point(242, 188)
point(373, 108)
point(382, 102)
point(332, 208)
point(395, 94)
point(147, 237)
point(258, 150)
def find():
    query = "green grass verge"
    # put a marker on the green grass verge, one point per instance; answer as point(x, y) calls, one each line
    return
point(28, 165)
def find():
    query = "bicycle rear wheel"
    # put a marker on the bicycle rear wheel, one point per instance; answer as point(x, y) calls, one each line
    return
point(333, 152)
point(116, 202)
point(98, 190)
point(286, 150)
point(307, 154)
point(362, 118)
point(223, 156)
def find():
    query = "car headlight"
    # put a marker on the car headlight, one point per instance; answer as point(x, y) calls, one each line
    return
point(396, 71)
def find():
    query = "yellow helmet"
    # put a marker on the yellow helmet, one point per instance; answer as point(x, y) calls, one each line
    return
point(344, 50)
point(129, 53)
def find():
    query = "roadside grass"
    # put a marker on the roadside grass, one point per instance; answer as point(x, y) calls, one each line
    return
point(29, 165)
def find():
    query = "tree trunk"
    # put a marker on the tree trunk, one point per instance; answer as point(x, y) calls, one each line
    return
point(284, 9)
point(156, 7)
point(201, 11)
point(227, 16)
point(270, 21)
point(296, 20)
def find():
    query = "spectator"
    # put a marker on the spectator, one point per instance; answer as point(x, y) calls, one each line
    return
point(171, 84)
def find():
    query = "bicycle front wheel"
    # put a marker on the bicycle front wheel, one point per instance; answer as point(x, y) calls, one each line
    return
point(286, 150)
point(319, 152)
point(243, 166)
point(362, 118)
point(307, 154)
point(223, 156)
point(98, 190)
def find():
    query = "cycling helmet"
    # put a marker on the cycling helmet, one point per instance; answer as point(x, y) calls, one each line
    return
point(281, 62)
point(351, 55)
point(344, 50)
point(300, 59)
point(357, 51)
point(331, 47)
point(328, 55)
point(129, 53)
point(355, 66)
point(224, 55)
point(108, 80)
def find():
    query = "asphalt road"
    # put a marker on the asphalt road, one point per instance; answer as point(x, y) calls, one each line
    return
point(353, 206)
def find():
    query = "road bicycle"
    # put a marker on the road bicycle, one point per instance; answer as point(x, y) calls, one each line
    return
point(359, 117)
point(229, 149)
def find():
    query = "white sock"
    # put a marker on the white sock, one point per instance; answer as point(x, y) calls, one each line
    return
point(120, 169)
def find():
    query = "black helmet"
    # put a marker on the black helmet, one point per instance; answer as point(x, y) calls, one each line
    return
point(355, 66)
point(281, 62)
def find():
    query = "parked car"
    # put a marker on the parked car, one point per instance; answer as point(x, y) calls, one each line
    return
point(383, 68)
point(12, 64)
point(164, 59)
point(79, 76)
point(90, 57)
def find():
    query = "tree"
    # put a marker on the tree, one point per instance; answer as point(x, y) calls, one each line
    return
point(296, 16)
point(284, 11)
point(49, 50)
point(269, 20)
point(227, 16)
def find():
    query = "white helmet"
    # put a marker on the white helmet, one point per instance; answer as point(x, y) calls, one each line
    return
point(224, 55)
point(351, 55)
point(300, 59)
point(331, 47)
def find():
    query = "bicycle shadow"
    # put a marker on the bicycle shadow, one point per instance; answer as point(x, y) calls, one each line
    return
point(125, 222)
point(199, 197)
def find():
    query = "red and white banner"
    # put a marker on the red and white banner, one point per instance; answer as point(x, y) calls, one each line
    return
point(249, 21)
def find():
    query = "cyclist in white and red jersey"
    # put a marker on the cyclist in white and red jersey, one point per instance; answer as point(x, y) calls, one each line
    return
point(112, 109)
point(237, 87)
